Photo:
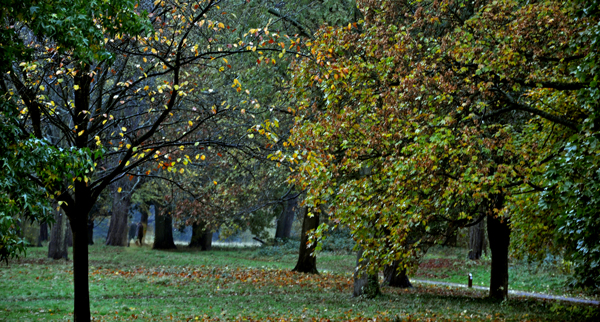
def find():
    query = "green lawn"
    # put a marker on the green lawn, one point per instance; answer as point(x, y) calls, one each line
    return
point(138, 283)
point(450, 265)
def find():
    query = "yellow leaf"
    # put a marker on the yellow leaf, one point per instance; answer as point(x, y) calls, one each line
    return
point(76, 87)
point(225, 60)
point(119, 190)
point(197, 156)
point(181, 170)
point(202, 157)
point(214, 182)
point(146, 87)
point(80, 133)
point(221, 25)
point(190, 123)
point(124, 129)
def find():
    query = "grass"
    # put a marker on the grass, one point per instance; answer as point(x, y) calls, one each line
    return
point(450, 265)
point(237, 284)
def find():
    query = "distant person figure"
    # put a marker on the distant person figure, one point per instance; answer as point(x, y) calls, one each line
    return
point(132, 231)
point(140, 234)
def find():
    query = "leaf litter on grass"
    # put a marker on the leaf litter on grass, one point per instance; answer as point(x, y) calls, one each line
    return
point(223, 276)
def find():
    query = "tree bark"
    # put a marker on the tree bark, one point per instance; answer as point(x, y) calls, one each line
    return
point(395, 278)
point(163, 231)
point(499, 238)
point(58, 247)
point(118, 229)
point(307, 262)
point(365, 284)
point(78, 215)
point(451, 236)
point(132, 233)
point(476, 240)
point(144, 220)
point(286, 220)
point(69, 235)
point(43, 233)
point(201, 237)
point(90, 231)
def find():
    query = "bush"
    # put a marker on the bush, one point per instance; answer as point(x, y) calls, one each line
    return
point(339, 240)
point(280, 248)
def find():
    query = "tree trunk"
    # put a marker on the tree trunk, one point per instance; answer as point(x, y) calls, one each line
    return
point(307, 262)
point(201, 237)
point(58, 247)
point(90, 232)
point(395, 278)
point(118, 229)
point(476, 240)
point(499, 238)
point(451, 236)
point(365, 284)
point(163, 231)
point(144, 220)
point(79, 225)
point(286, 220)
point(132, 233)
point(43, 233)
point(69, 235)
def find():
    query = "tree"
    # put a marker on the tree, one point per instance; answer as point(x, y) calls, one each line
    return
point(118, 228)
point(561, 218)
point(76, 90)
point(163, 230)
point(201, 237)
point(450, 124)
point(43, 233)
point(286, 219)
point(58, 246)
point(365, 283)
point(28, 166)
point(476, 240)
point(395, 276)
point(307, 258)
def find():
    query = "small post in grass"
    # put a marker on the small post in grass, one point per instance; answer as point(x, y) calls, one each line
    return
point(470, 280)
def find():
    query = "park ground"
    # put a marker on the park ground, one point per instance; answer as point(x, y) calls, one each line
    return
point(257, 284)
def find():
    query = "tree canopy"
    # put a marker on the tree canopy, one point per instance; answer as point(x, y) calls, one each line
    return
point(430, 115)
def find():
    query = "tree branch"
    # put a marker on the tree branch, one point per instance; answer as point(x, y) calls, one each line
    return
point(514, 105)
point(303, 30)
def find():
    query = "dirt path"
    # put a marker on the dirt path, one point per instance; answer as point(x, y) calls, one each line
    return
point(513, 292)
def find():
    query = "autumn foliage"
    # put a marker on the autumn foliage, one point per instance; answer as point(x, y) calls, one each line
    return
point(431, 115)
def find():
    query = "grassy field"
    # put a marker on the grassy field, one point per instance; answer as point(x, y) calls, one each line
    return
point(236, 284)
